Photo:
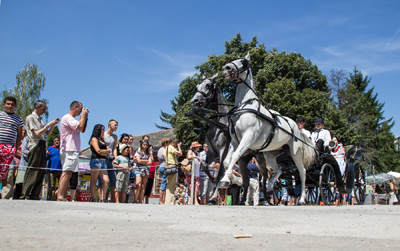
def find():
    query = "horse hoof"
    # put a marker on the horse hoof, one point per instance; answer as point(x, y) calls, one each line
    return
point(223, 184)
point(302, 203)
point(212, 202)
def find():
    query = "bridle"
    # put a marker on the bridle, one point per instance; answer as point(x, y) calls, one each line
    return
point(236, 71)
point(211, 90)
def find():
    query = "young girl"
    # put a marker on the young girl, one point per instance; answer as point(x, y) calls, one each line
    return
point(193, 154)
point(144, 160)
point(123, 173)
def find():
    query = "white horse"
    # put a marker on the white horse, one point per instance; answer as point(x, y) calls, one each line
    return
point(254, 127)
point(209, 96)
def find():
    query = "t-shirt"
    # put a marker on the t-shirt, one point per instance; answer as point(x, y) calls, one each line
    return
point(70, 136)
point(110, 142)
point(54, 161)
point(253, 170)
point(34, 122)
point(170, 158)
point(9, 123)
point(160, 157)
point(142, 156)
point(122, 161)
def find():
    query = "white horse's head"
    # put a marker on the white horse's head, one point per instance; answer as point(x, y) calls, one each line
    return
point(204, 92)
point(233, 69)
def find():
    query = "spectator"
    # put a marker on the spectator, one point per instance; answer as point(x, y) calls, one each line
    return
point(339, 152)
point(54, 166)
point(131, 152)
point(73, 184)
point(301, 122)
point(98, 162)
point(253, 190)
point(121, 163)
point(237, 182)
point(22, 165)
point(171, 152)
point(161, 159)
point(10, 135)
point(36, 130)
point(111, 141)
point(70, 130)
point(391, 191)
point(205, 181)
point(321, 137)
point(180, 193)
point(150, 180)
point(193, 155)
point(143, 159)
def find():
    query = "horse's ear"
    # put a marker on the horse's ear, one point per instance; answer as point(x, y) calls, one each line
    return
point(204, 77)
point(214, 76)
point(248, 56)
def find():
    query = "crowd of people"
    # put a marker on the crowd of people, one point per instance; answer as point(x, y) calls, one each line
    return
point(25, 160)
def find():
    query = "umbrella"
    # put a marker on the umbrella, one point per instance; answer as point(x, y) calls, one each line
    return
point(396, 175)
point(379, 178)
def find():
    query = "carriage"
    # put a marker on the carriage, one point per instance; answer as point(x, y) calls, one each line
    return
point(323, 179)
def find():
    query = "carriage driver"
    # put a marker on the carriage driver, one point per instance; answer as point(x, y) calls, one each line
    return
point(321, 137)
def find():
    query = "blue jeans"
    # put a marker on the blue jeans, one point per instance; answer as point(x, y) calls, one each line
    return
point(112, 176)
point(163, 185)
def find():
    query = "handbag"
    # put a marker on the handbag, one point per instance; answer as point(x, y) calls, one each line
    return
point(186, 166)
point(170, 170)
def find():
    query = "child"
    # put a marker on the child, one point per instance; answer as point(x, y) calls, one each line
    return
point(180, 193)
point(121, 163)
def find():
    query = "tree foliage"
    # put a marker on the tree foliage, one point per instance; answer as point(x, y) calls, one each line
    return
point(30, 85)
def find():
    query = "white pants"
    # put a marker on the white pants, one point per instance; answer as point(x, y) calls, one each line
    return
point(253, 191)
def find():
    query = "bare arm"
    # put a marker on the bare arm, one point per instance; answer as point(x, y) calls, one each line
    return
point(46, 129)
point(179, 151)
point(82, 120)
point(94, 142)
point(19, 137)
point(114, 150)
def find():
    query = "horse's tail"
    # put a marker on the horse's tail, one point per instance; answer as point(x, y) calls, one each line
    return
point(308, 150)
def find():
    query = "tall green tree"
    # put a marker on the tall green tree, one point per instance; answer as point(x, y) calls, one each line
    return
point(30, 84)
point(367, 124)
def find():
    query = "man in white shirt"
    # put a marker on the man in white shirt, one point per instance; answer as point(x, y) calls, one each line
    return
point(321, 137)
point(301, 122)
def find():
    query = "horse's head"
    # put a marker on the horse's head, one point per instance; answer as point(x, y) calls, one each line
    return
point(205, 92)
point(233, 69)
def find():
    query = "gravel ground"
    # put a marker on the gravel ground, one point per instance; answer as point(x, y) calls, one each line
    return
point(40, 225)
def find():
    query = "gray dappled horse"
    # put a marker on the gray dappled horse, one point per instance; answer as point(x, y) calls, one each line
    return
point(209, 96)
point(253, 127)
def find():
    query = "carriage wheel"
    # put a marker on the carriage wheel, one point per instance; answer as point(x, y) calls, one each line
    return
point(312, 195)
point(327, 184)
point(359, 186)
point(276, 196)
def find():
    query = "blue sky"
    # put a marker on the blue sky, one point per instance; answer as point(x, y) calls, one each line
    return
point(125, 59)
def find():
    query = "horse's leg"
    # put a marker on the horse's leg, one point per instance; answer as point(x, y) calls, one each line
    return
point(213, 199)
point(262, 165)
point(271, 158)
point(243, 162)
point(247, 140)
point(225, 181)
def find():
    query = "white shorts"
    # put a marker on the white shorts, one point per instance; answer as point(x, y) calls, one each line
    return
point(70, 161)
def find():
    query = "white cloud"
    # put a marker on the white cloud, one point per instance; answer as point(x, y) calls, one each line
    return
point(39, 51)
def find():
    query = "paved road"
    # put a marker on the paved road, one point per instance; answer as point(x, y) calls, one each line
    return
point(39, 225)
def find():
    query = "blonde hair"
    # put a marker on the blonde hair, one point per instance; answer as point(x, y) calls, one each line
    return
point(164, 141)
